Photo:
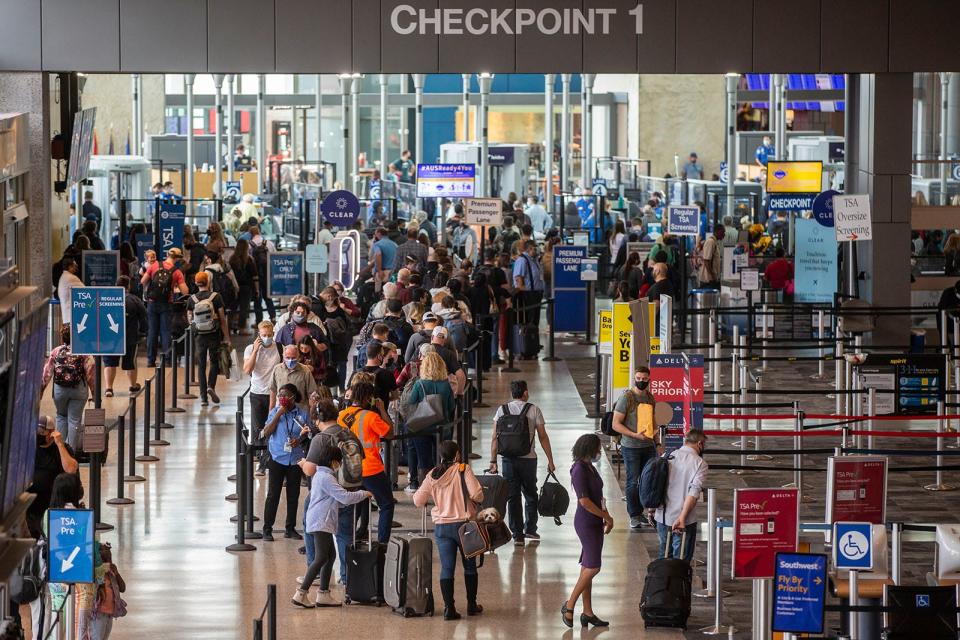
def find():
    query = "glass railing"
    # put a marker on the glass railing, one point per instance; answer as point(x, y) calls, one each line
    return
point(935, 182)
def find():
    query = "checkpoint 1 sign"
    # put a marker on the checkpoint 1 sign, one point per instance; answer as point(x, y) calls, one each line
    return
point(853, 546)
point(483, 211)
point(857, 489)
point(765, 522)
point(70, 557)
point(340, 208)
point(799, 592)
point(98, 321)
point(683, 220)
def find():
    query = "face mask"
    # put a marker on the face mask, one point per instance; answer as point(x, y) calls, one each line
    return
point(641, 384)
point(596, 458)
point(266, 340)
point(291, 364)
point(286, 403)
point(298, 318)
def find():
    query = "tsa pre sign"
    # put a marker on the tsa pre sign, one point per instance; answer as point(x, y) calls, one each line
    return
point(857, 489)
point(799, 592)
point(98, 321)
point(70, 558)
point(285, 273)
point(765, 522)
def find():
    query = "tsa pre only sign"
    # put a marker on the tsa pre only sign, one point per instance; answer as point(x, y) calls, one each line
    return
point(70, 557)
point(799, 592)
point(765, 522)
point(445, 180)
point(285, 273)
point(98, 321)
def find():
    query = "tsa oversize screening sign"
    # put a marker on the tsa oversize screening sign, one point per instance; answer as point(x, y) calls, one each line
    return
point(98, 321)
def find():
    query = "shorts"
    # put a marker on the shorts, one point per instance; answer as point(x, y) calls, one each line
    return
point(127, 362)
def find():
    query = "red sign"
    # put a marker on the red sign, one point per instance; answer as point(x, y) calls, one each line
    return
point(765, 522)
point(857, 489)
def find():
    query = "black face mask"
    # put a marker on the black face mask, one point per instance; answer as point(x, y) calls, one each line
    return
point(641, 384)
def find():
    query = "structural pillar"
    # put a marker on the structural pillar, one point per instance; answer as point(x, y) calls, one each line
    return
point(351, 179)
point(188, 80)
point(346, 83)
point(733, 83)
point(781, 141)
point(384, 81)
point(230, 126)
point(548, 80)
point(137, 93)
point(565, 132)
point(318, 107)
point(218, 137)
point(944, 136)
point(263, 171)
point(466, 106)
point(404, 116)
point(418, 81)
point(587, 133)
point(486, 81)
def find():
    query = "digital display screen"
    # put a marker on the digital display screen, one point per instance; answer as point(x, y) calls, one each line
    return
point(794, 177)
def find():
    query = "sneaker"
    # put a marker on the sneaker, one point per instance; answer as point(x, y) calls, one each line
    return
point(410, 489)
point(518, 542)
point(204, 403)
point(533, 537)
point(326, 599)
point(214, 397)
point(292, 534)
point(135, 388)
point(300, 599)
point(636, 522)
point(316, 581)
point(267, 535)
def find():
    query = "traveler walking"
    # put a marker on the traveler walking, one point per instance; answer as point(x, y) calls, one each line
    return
point(161, 281)
point(633, 421)
point(206, 313)
point(688, 474)
point(73, 378)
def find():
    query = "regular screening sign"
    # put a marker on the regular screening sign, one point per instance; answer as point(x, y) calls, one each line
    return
point(799, 591)
point(98, 321)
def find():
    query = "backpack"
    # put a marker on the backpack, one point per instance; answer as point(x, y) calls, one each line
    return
point(259, 254)
point(161, 284)
point(26, 582)
point(513, 433)
point(223, 286)
point(606, 423)
point(654, 481)
point(205, 314)
point(338, 330)
point(68, 369)
point(350, 475)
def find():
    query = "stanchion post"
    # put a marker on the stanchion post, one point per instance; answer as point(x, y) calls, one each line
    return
point(821, 351)
point(716, 373)
point(162, 391)
point(271, 612)
point(872, 410)
point(763, 343)
point(943, 331)
point(896, 549)
point(838, 375)
point(734, 353)
point(551, 355)
point(173, 408)
point(121, 430)
point(940, 485)
point(158, 409)
point(132, 475)
point(187, 366)
point(597, 383)
point(852, 601)
point(718, 629)
point(147, 406)
point(240, 544)
point(707, 592)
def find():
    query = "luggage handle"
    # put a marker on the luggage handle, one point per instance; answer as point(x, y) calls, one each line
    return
point(668, 548)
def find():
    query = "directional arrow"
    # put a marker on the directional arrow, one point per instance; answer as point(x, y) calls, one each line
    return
point(817, 580)
point(67, 564)
point(82, 324)
point(853, 236)
point(113, 325)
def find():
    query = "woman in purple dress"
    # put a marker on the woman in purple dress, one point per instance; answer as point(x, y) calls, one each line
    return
point(591, 523)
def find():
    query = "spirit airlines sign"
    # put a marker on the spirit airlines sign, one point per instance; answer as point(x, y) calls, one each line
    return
point(407, 20)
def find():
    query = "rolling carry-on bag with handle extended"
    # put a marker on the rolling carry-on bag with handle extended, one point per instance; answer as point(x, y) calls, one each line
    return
point(408, 573)
point(667, 590)
point(526, 340)
point(365, 569)
point(496, 492)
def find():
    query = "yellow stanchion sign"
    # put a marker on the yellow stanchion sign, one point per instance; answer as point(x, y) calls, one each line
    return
point(622, 338)
point(605, 333)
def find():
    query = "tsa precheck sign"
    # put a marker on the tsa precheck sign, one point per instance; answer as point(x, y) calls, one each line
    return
point(98, 322)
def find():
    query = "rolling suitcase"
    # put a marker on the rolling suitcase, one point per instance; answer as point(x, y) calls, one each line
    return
point(667, 590)
point(496, 491)
point(408, 573)
point(365, 570)
point(526, 340)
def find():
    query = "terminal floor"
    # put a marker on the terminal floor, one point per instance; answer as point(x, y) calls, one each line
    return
point(181, 582)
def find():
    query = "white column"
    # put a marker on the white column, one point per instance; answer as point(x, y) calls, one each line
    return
point(587, 133)
point(346, 82)
point(230, 128)
point(188, 80)
point(318, 107)
point(565, 133)
point(486, 81)
point(218, 138)
point(418, 81)
point(733, 82)
point(548, 80)
point(384, 81)
point(466, 106)
point(404, 116)
point(263, 171)
point(781, 143)
point(351, 180)
point(136, 147)
point(944, 135)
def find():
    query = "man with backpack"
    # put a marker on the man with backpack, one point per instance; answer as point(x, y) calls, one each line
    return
point(260, 248)
point(687, 477)
point(633, 422)
point(206, 311)
point(516, 425)
point(161, 281)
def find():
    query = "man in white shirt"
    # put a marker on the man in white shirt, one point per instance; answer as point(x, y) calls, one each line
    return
point(688, 473)
point(68, 280)
point(259, 361)
point(521, 472)
point(540, 220)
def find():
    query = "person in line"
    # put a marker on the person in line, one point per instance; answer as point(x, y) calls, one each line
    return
point(779, 273)
point(259, 360)
point(291, 371)
point(161, 280)
point(432, 381)
point(390, 292)
point(528, 284)
point(383, 255)
point(244, 269)
point(540, 220)
point(260, 248)
point(301, 324)
point(109, 604)
point(465, 242)
point(327, 497)
point(591, 522)
point(136, 317)
point(89, 229)
point(367, 417)
point(73, 378)
point(455, 492)
point(413, 247)
point(616, 239)
point(286, 425)
point(688, 475)
point(377, 361)
point(711, 259)
point(54, 456)
point(315, 358)
point(91, 211)
point(339, 331)
point(67, 493)
point(521, 473)
point(206, 312)
point(69, 279)
point(662, 285)
point(633, 420)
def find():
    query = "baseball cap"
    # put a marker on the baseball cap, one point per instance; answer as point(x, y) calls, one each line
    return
point(430, 316)
point(439, 332)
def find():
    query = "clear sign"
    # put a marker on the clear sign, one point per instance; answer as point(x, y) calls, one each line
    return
point(316, 258)
point(70, 535)
point(857, 489)
point(799, 592)
point(605, 331)
point(823, 207)
point(853, 546)
point(98, 321)
point(285, 273)
point(765, 522)
point(852, 218)
point(749, 279)
point(100, 268)
point(724, 173)
point(483, 211)
point(446, 180)
point(815, 266)
point(683, 220)
point(588, 269)
point(340, 208)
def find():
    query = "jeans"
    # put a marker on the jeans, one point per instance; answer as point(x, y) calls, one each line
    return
point(448, 547)
point(379, 486)
point(158, 328)
point(70, 402)
point(635, 459)
point(346, 528)
point(244, 296)
point(259, 410)
point(342, 375)
point(207, 349)
point(322, 563)
point(676, 539)
point(521, 474)
point(93, 626)
point(309, 549)
point(277, 474)
point(420, 458)
point(257, 311)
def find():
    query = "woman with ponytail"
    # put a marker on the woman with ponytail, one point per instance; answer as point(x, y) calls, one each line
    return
point(455, 493)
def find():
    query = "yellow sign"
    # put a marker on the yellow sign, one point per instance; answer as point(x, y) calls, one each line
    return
point(622, 338)
point(654, 339)
point(794, 177)
point(605, 338)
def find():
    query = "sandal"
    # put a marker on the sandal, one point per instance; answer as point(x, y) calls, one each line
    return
point(135, 388)
point(108, 393)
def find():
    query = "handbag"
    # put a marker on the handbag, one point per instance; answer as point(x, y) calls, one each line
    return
point(554, 499)
point(474, 540)
point(225, 359)
point(428, 413)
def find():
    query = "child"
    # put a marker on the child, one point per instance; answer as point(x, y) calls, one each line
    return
point(326, 497)
point(109, 604)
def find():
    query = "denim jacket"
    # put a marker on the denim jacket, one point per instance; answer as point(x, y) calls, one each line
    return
point(326, 498)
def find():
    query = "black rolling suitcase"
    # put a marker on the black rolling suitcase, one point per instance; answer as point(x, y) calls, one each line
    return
point(365, 564)
point(408, 573)
point(667, 590)
point(526, 340)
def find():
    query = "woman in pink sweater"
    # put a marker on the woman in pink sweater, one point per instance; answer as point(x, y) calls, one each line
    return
point(455, 493)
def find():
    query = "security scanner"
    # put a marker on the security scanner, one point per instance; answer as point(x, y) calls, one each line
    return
point(920, 612)
point(509, 164)
point(946, 571)
point(344, 258)
point(115, 178)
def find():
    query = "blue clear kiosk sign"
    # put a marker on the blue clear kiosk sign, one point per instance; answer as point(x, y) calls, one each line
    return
point(799, 592)
point(98, 321)
point(340, 208)
point(71, 542)
point(285, 273)
point(823, 208)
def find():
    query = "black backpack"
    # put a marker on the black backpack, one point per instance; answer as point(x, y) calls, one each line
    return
point(161, 284)
point(513, 433)
point(554, 499)
point(653, 482)
point(260, 253)
point(26, 582)
point(223, 287)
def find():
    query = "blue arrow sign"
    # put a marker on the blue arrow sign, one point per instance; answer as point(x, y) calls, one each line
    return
point(70, 557)
point(98, 322)
point(799, 591)
point(852, 546)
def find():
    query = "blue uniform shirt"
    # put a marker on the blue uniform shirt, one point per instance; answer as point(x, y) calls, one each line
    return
point(764, 153)
point(387, 248)
point(287, 428)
